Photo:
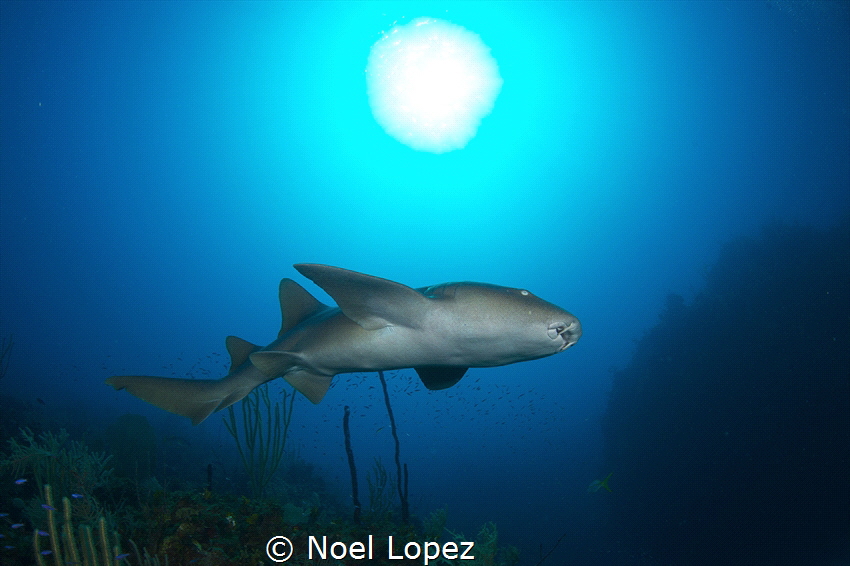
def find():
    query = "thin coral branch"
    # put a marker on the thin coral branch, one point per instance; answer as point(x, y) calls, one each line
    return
point(262, 440)
point(5, 353)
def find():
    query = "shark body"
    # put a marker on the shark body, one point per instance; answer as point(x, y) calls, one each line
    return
point(440, 331)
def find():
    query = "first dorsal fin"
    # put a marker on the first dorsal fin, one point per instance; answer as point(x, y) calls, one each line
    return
point(369, 301)
point(296, 304)
point(239, 351)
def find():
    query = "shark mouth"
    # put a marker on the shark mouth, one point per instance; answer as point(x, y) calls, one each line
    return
point(568, 332)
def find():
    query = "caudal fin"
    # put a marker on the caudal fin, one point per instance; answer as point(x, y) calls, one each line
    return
point(193, 398)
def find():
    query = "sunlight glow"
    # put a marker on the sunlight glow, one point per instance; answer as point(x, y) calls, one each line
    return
point(430, 83)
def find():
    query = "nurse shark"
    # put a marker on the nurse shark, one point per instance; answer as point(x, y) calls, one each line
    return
point(440, 331)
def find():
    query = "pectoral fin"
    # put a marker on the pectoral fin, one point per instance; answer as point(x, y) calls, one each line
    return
point(440, 377)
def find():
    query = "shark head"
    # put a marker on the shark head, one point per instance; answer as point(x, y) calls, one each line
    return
point(502, 325)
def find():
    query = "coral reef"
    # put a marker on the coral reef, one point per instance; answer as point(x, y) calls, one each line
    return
point(62, 502)
point(735, 406)
point(132, 441)
point(486, 551)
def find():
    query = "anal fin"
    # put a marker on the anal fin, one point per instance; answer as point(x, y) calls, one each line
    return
point(274, 363)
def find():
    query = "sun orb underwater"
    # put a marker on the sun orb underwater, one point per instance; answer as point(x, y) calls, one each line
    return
point(430, 82)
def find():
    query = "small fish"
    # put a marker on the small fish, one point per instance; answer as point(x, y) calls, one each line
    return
point(176, 440)
point(77, 496)
point(8, 547)
point(596, 485)
point(17, 525)
point(40, 400)
point(3, 515)
point(21, 481)
point(46, 552)
point(43, 533)
point(122, 556)
point(48, 507)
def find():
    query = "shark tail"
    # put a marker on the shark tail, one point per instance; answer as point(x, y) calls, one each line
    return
point(193, 398)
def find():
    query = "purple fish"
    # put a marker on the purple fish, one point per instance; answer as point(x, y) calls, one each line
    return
point(77, 496)
point(17, 525)
point(122, 556)
point(21, 481)
point(46, 552)
point(3, 515)
point(8, 547)
point(43, 534)
point(48, 507)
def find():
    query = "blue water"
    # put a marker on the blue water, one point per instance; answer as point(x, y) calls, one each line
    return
point(163, 165)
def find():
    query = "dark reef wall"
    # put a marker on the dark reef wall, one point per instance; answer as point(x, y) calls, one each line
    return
point(729, 433)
